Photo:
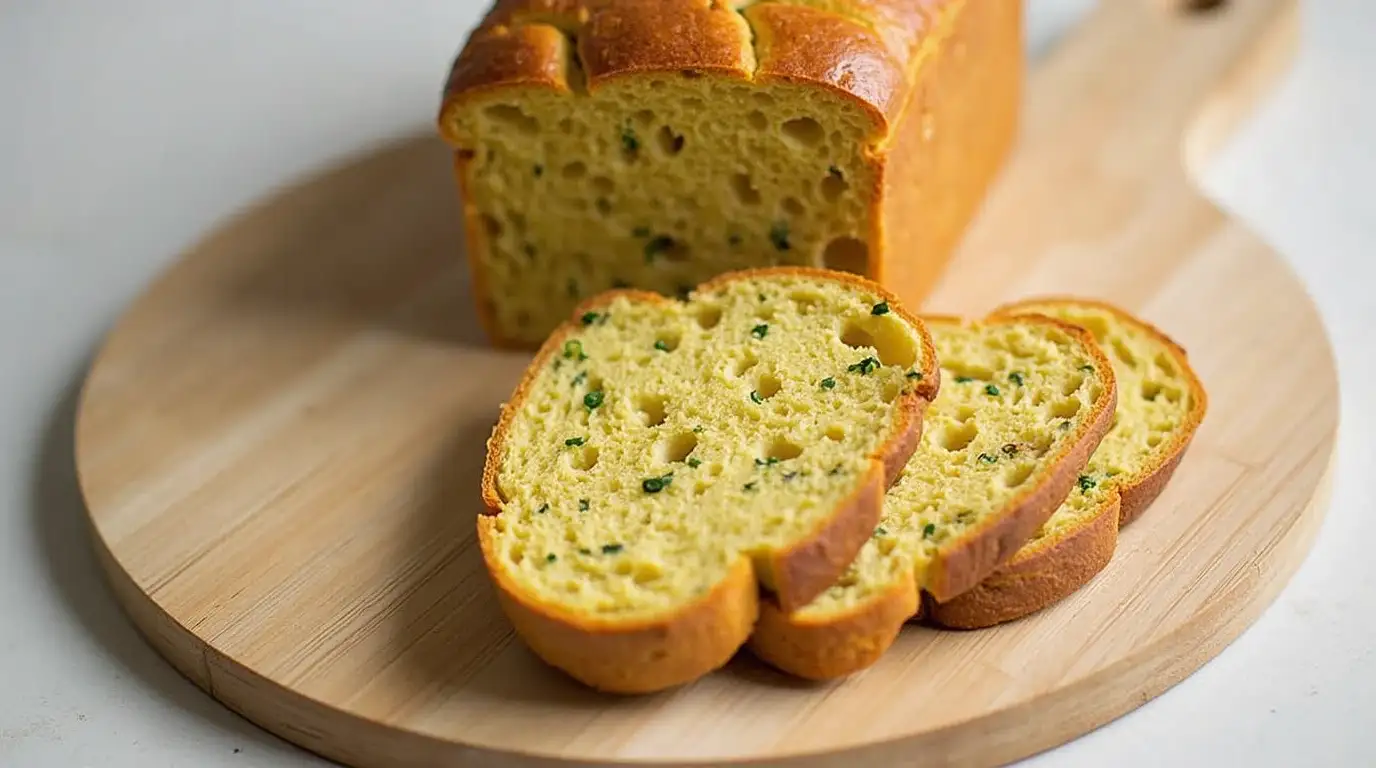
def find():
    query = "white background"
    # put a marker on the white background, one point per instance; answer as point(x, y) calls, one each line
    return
point(129, 129)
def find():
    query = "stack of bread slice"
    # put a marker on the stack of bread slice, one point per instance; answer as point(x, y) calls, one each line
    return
point(791, 460)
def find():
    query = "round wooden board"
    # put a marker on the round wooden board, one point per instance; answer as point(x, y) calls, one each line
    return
point(280, 447)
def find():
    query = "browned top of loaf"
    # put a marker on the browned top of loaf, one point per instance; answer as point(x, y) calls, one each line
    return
point(866, 49)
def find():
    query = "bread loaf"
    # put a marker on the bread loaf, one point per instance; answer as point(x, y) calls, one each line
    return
point(655, 143)
point(1161, 403)
point(1023, 402)
point(661, 459)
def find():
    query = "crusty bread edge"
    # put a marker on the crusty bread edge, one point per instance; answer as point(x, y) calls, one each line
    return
point(826, 647)
point(1147, 484)
point(1048, 571)
point(659, 652)
point(960, 569)
point(1060, 566)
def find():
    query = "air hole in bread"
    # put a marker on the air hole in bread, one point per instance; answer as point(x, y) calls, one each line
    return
point(1066, 408)
point(657, 85)
point(694, 104)
point(956, 437)
point(603, 206)
point(575, 170)
point(670, 143)
point(781, 449)
point(644, 116)
point(677, 447)
point(1124, 353)
point(804, 131)
point(583, 458)
point(653, 409)
point(847, 254)
point(518, 221)
point(1165, 363)
point(523, 318)
point(793, 207)
point(884, 335)
point(763, 99)
point(891, 391)
point(757, 120)
point(492, 225)
point(768, 385)
point(1153, 441)
point(512, 117)
point(700, 487)
point(836, 433)
point(745, 189)
point(805, 301)
point(603, 185)
point(855, 336)
point(833, 187)
point(1072, 383)
point(742, 365)
point(1150, 390)
point(1017, 474)
point(708, 317)
point(667, 341)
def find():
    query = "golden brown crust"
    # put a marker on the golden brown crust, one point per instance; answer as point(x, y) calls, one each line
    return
point(533, 55)
point(866, 50)
point(955, 131)
point(633, 657)
point(825, 647)
point(833, 646)
point(806, 45)
point(808, 568)
point(1046, 572)
point(627, 38)
point(959, 569)
point(1139, 495)
point(1141, 489)
point(648, 655)
point(1026, 585)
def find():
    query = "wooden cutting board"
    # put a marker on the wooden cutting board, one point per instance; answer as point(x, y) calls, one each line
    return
point(280, 447)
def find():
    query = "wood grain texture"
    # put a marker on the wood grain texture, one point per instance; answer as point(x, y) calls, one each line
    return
point(280, 447)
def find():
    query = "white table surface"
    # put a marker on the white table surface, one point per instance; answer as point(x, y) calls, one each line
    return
point(129, 129)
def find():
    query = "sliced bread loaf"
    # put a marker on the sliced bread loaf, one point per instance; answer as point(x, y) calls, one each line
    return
point(1161, 403)
point(660, 460)
point(655, 143)
point(1023, 402)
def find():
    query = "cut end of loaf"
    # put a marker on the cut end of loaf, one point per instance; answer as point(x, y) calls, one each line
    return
point(659, 183)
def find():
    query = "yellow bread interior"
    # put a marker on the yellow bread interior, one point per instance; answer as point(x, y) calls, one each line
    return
point(664, 440)
point(1157, 402)
point(1015, 397)
point(659, 182)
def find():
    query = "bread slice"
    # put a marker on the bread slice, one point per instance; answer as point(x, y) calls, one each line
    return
point(1023, 403)
point(1161, 403)
point(659, 458)
point(625, 143)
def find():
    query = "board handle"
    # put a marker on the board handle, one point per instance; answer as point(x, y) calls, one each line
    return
point(1131, 80)
point(1128, 105)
